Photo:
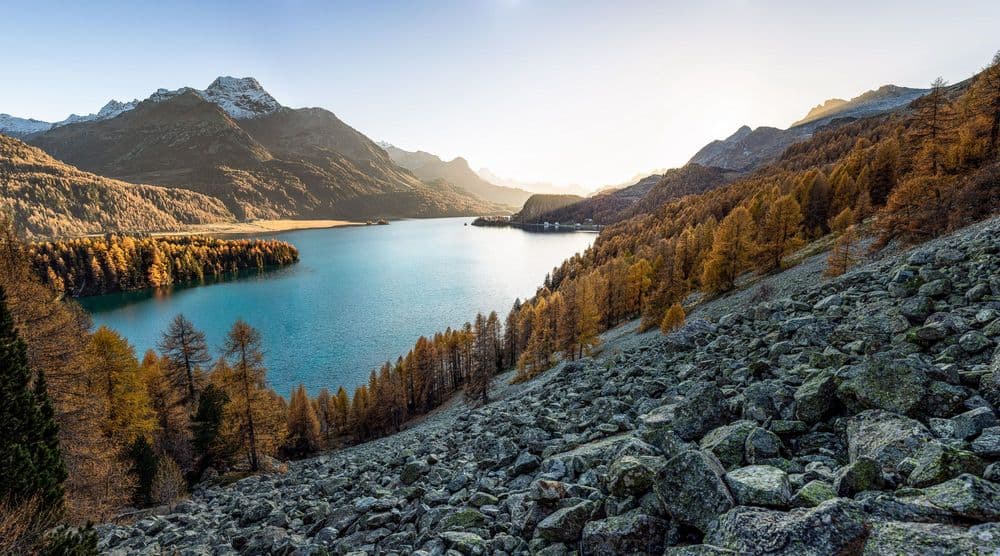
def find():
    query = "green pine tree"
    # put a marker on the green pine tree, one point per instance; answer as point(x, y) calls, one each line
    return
point(29, 446)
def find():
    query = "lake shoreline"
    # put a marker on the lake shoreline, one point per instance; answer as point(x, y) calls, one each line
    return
point(260, 227)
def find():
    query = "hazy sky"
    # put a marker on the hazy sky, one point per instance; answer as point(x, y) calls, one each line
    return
point(560, 91)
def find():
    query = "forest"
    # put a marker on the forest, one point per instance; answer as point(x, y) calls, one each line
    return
point(108, 430)
point(114, 262)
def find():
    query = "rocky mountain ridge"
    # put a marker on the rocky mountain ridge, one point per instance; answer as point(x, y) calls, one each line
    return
point(749, 148)
point(856, 415)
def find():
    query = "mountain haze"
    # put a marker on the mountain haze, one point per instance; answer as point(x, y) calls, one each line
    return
point(429, 167)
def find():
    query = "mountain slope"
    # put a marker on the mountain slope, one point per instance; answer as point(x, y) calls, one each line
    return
point(429, 167)
point(540, 203)
point(261, 160)
point(747, 148)
point(49, 198)
point(644, 196)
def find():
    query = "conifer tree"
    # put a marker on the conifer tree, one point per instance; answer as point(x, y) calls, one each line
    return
point(730, 252)
point(673, 319)
point(845, 253)
point(184, 349)
point(116, 378)
point(303, 425)
point(986, 98)
point(588, 318)
point(32, 468)
point(245, 382)
point(206, 426)
point(779, 231)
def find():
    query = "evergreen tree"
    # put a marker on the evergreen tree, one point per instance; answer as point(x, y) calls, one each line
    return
point(845, 253)
point(144, 464)
point(30, 461)
point(207, 424)
point(116, 378)
point(184, 348)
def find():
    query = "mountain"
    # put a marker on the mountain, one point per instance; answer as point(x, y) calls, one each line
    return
point(234, 141)
point(429, 167)
point(533, 186)
point(21, 127)
point(541, 203)
point(49, 198)
point(749, 148)
point(644, 196)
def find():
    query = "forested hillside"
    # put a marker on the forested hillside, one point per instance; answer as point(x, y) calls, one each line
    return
point(93, 266)
point(49, 198)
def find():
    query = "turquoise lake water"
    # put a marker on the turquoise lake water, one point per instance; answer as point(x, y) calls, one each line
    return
point(357, 297)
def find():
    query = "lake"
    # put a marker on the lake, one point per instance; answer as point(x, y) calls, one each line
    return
point(358, 296)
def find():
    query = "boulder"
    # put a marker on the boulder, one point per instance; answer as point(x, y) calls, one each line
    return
point(931, 539)
point(691, 487)
point(812, 494)
point(762, 445)
point(967, 497)
point(701, 409)
point(860, 475)
point(633, 475)
point(815, 397)
point(728, 442)
point(566, 524)
point(894, 385)
point(630, 533)
point(973, 422)
point(885, 437)
point(759, 485)
point(936, 463)
point(988, 443)
point(834, 527)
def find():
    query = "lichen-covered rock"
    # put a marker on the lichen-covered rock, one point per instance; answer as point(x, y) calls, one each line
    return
point(566, 524)
point(895, 385)
point(973, 422)
point(759, 485)
point(762, 445)
point(630, 533)
point(885, 437)
point(691, 488)
point(812, 494)
point(936, 463)
point(633, 475)
point(932, 539)
point(815, 397)
point(864, 473)
point(702, 409)
point(988, 443)
point(967, 497)
point(834, 527)
point(728, 442)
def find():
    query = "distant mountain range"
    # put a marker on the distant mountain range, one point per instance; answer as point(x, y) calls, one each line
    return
point(429, 167)
point(749, 148)
point(533, 186)
point(49, 198)
point(233, 141)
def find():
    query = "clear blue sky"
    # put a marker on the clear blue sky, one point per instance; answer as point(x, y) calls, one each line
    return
point(561, 91)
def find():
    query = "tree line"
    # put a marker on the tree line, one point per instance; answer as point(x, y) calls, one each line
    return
point(114, 262)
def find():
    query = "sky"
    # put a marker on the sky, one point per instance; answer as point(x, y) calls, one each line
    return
point(574, 91)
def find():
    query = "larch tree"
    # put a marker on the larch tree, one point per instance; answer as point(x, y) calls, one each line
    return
point(303, 425)
point(184, 349)
point(206, 427)
point(731, 250)
point(173, 429)
point(245, 383)
point(845, 252)
point(841, 222)
point(931, 128)
point(779, 231)
point(986, 99)
point(638, 280)
point(117, 380)
point(673, 319)
point(588, 317)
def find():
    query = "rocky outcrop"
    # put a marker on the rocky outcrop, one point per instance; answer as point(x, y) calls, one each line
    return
point(814, 424)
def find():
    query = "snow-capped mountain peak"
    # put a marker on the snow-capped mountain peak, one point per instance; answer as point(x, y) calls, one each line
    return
point(19, 127)
point(240, 97)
